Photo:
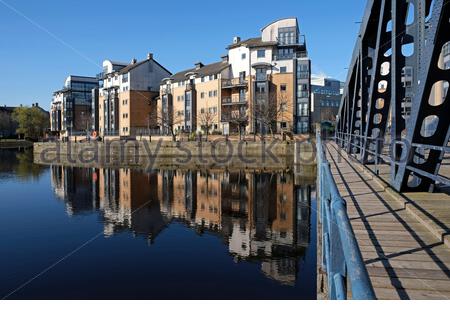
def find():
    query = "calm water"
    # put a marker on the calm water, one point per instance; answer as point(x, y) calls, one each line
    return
point(74, 233)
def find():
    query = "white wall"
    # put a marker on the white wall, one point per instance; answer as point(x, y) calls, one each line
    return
point(237, 63)
point(270, 32)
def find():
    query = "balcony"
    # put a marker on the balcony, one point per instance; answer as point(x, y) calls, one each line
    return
point(295, 55)
point(238, 117)
point(228, 101)
point(289, 42)
point(234, 83)
point(166, 90)
point(263, 77)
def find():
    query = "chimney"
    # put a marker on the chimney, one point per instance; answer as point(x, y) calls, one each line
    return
point(236, 40)
point(149, 56)
point(198, 65)
point(224, 58)
point(133, 61)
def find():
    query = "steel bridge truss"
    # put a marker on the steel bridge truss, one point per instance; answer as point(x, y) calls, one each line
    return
point(395, 108)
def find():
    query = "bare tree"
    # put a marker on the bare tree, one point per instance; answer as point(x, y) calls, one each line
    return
point(240, 119)
point(206, 121)
point(269, 113)
point(168, 122)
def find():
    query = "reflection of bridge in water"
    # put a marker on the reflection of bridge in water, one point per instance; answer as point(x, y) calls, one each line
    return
point(262, 217)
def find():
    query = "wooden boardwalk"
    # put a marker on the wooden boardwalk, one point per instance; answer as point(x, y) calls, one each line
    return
point(405, 257)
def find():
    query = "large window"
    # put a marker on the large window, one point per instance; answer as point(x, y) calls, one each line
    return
point(260, 87)
point(261, 74)
point(302, 71)
point(303, 91)
point(287, 36)
point(285, 53)
point(302, 109)
point(261, 53)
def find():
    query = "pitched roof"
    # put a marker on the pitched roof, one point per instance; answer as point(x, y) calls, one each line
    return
point(252, 43)
point(7, 108)
point(131, 66)
point(203, 71)
point(11, 109)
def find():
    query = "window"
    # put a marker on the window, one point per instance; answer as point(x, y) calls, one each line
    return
point(260, 87)
point(303, 91)
point(287, 35)
point(283, 125)
point(203, 79)
point(244, 56)
point(261, 53)
point(242, 76)
point(283, 69)
point(261, 74)
point(303, 109)
point(215, 93)
point(302, 71)
point(202, 95)
point(283, 87)
point(283, 106)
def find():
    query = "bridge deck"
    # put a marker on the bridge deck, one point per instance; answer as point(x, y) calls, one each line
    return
point(404, 258)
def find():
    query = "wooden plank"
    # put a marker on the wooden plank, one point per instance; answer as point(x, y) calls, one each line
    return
point(404, 258)
point(418, 265)
point(418, 256)
point(407, 273)
point(391, 294)
point(442, 286)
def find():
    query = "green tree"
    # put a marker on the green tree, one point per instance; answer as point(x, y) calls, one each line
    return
point(32, 122)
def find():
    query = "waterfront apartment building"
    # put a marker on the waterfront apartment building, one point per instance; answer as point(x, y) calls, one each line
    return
point(70, 111)
point(127, 96)
point(326, 94)
point(262, 85)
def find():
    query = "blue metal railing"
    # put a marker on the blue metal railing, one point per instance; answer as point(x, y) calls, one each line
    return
point(341, 258)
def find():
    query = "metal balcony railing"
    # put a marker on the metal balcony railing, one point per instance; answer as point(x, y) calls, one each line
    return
point(233, 83)
point(166, 90)
point(278, 57)
point(227, 117)
point(341, 258)
point(234, 100)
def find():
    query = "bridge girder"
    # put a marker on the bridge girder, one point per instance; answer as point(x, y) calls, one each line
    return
point(396, 64)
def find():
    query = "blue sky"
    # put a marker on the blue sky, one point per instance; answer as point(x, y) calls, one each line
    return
point(41, 42)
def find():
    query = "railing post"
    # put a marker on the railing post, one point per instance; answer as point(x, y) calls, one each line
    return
point(341, 258)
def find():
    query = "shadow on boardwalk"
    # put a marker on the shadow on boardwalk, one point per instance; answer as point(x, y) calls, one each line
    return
point(405, 260)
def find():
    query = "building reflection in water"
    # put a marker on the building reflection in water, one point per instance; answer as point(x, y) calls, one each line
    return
point(262, 217)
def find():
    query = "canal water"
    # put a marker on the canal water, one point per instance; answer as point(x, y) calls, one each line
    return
point(95, 233)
